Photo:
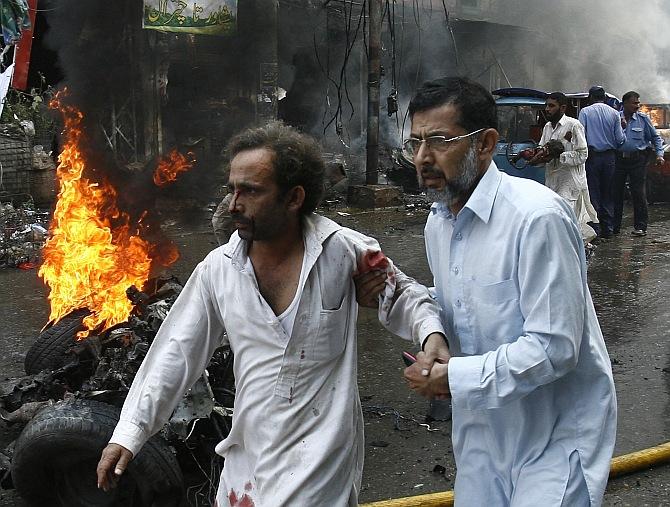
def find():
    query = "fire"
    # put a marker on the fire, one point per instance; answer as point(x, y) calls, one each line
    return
point(93, 253)
point(171, 165)
point(657, 113)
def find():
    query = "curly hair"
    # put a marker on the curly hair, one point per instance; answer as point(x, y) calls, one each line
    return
point(297, 159)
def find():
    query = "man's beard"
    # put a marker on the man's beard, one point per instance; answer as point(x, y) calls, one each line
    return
point(553, 118)
point(455, 189)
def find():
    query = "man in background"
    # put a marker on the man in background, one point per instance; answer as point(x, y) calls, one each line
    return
point(604, 136)
point(565, 172)
point(631, 163)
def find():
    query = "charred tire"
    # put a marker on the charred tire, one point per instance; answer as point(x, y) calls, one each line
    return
point(56, 455)
point(50, 351)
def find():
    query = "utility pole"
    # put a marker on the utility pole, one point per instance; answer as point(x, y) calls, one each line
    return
point(374, 74)
point(268, 68)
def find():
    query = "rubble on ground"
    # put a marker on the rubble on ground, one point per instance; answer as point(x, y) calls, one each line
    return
point(23, 232)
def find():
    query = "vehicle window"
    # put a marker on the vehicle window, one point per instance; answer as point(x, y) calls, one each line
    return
point(517, 124)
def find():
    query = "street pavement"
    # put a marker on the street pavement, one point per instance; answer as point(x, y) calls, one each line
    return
point(406, 454)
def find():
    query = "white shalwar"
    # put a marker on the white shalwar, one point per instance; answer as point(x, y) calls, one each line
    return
point(534, 406)
point(297, 432)
point(567, 175)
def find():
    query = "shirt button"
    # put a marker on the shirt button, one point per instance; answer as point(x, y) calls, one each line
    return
point(458, 303)
point(459, 236)
point(456, 270)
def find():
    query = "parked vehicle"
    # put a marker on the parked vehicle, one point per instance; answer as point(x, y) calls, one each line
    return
point(658, 176)
point(520, 122)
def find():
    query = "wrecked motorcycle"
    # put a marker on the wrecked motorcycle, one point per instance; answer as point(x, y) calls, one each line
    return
point(70, 402)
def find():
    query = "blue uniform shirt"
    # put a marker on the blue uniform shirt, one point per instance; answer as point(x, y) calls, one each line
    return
point(602, 125)
point(640, 134)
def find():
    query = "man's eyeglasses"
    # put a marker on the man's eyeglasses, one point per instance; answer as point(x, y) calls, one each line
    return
point(412, 145)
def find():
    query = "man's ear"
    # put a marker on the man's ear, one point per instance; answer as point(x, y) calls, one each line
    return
point(488, 140)
point(295, 198)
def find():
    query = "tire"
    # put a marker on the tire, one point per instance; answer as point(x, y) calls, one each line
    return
point(56, 455)
point(50, 350)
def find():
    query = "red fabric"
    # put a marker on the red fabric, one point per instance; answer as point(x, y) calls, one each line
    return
point(23, 48)
point(373, 260)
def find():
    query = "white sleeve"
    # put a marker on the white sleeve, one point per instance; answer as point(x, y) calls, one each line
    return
point(580, 152)
point(178, 355)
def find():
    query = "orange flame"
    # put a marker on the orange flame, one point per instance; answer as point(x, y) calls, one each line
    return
point(171, 165)
point(93, 254)
point(658, 114)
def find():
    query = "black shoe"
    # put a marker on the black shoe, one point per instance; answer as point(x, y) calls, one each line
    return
point(639, 232)
point(616, 231)
point(605, 235)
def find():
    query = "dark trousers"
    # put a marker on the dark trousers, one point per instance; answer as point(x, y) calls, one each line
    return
point(634, 169)
point(600, 168)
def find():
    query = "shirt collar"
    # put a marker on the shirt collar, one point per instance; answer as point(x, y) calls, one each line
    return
point(560, 122)
point(633, 117)
point(481, 200)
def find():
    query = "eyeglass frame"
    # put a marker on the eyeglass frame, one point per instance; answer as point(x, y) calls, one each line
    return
point(446, 140)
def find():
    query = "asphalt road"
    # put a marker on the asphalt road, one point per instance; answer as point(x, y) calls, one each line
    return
point(629, 279)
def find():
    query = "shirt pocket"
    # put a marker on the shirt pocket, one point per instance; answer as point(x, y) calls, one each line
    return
point(331, 338)
point(636, 133)
point(497, 315)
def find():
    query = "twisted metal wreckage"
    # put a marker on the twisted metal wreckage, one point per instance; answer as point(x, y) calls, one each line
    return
point(60, 444)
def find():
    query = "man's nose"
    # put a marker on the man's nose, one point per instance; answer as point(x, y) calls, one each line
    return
point(423, 157)
point(233, 202)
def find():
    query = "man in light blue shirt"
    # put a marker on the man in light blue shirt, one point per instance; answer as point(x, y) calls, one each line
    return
point(631, 163)
point(604, 136)
point(534, 407)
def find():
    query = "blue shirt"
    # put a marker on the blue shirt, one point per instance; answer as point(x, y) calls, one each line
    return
point(602, 125)
point(531, 379)
point(641, 134)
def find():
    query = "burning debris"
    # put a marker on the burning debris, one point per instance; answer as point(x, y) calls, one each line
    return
point(171, 165)
point(96, 250)
point(82, 384)
point(22, 235)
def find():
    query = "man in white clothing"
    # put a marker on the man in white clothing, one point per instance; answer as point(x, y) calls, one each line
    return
point(281, 294)
point(565, 174)
point(533, 400)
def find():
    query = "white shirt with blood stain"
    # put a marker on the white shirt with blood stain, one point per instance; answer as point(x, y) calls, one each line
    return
point(297, 432)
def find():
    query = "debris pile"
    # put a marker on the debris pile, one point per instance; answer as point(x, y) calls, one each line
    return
point(23, 231)
point(101, 368)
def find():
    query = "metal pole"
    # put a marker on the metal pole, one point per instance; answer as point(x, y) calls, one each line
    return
point(374, 73)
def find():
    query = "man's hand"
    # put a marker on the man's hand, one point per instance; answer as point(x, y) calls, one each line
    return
point(369, 286)
point(112, 464)
point(541, 157)
point(435, 356)
point(436, 385)
point(660, 160)
point(435, 349)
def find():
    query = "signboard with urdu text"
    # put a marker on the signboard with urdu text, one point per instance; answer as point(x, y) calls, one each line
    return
point(209, 17)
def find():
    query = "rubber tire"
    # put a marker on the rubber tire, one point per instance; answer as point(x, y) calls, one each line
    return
point(55, 458)
point(50, 350)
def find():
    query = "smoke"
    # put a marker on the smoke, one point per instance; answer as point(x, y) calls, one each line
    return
point(544, 44)
point(567, 46)
point(616, 43)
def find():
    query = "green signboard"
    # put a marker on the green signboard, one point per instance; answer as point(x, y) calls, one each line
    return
point(210, 17)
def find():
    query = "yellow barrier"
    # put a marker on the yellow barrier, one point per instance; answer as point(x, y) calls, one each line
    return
point(621, 465)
